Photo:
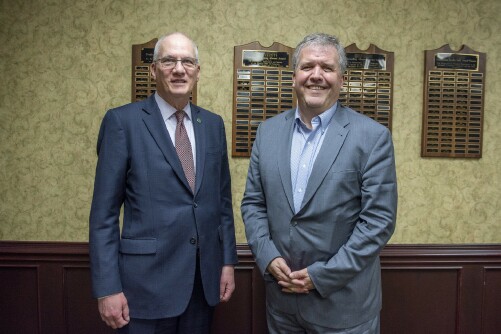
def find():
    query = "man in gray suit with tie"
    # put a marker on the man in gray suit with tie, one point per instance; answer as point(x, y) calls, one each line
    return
point(320, 203)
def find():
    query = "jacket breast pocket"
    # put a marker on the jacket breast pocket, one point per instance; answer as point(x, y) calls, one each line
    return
point(348, 175)
point(345, 184)
point(138, 246)
point(213, 163)
point(213, 151)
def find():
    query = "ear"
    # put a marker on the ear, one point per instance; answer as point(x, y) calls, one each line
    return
point(153, 68)
point(341, 78)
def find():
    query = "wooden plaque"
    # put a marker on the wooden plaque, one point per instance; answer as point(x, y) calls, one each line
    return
point(143, 84)
point(454, 89)
point(368, 83)
point(262, 88)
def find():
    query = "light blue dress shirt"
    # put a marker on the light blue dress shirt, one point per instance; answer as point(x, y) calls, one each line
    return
point(306, 144)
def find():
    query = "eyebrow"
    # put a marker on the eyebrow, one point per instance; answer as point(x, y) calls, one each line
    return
point(174, 57)
point(321, 63)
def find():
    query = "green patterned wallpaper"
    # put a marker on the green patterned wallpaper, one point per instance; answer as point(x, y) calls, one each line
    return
point(65, 62)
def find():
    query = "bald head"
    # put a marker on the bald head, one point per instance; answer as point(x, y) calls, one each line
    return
point(178, 36)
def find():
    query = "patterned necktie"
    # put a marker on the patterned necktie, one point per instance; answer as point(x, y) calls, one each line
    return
point(183, 149)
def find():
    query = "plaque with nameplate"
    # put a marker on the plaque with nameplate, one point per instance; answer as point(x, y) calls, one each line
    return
point(368, 83)
point(262, 88)
point(454, 88)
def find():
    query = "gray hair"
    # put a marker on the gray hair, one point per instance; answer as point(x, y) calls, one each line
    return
point(321, 40)
point(161, 39)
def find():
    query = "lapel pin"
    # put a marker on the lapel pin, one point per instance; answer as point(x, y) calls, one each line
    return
point(199, 120)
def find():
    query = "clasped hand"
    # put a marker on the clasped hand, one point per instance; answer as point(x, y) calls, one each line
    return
point(290, 281)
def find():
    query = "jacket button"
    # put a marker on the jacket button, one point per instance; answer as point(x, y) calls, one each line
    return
point(195, 205)
point(193, 241)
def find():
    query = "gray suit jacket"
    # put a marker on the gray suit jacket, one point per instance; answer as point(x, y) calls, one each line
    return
point(346, 217)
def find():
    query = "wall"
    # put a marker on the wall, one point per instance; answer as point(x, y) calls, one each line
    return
point(64, 63)
point(445, 289)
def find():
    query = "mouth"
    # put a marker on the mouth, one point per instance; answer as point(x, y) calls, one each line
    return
point(178, 81)
point(316, 88)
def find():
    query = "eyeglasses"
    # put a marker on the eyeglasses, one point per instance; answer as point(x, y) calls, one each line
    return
point(169, 63)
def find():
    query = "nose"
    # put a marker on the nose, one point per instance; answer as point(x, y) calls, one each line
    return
point(316, 73)
point(178, 67)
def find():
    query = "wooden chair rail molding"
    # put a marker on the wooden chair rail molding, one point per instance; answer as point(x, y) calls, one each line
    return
point(45, 288)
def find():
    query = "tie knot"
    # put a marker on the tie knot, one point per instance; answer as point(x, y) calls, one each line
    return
point(180, 115)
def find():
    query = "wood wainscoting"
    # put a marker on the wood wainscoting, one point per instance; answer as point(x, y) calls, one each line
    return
point(427, 289)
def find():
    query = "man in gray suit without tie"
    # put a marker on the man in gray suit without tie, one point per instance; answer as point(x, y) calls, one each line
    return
point(320, 203)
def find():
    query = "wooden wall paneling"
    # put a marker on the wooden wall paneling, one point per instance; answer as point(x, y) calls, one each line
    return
point(235, 316)
point(491, 306)
point(470, 260)
point(56, 300)
point(51, 287)
point(420, 300)
point(78, 301)
point(258, 306)
point(19, 310)
point(469, 317)
point(45, 288)
point(245, 312)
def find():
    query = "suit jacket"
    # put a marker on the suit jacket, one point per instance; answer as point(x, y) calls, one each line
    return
point(346, 217)
point(153, 261)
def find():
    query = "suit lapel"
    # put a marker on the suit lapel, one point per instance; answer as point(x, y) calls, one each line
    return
point(284, 155)
point(199, 130)
point(333, 141)
point(155, 124)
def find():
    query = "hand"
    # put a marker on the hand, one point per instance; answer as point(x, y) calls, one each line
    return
point(227, 283)
point(299, 282)
point(279, 269)
point(114, 310)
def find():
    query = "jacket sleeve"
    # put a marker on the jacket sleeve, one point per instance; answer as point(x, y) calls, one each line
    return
point(254, 212)
point(375, 224)
point(227, 222)
point(109, 193)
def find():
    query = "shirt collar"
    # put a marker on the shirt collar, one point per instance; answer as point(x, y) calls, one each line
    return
point(167, 110)
point(324, 118)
